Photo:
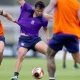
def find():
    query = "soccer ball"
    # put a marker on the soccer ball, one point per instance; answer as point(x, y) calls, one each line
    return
point(37, 73)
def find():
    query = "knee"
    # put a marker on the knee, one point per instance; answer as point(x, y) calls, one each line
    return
point(45, 52)
point(50, 56)
point(51, 53)
point(21, 56)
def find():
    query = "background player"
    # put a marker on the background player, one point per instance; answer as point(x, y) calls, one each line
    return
point(64, 59)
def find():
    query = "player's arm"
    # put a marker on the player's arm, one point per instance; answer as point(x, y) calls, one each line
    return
point(51, 6)
point(21, 2)
point(48, 16)
point(25, 5)
point(8, 16)
point(46, 32)
point(78, 14)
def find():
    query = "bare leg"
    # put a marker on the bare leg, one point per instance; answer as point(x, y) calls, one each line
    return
point(1, 51)
point(41, 47)
point(76, 57)
point(51, 63)
point(64, 59)
point(21, 54)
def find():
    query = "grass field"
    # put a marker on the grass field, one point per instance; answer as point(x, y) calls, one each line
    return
point(7, 69)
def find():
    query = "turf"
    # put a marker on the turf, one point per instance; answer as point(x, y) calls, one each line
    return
point(8, 64)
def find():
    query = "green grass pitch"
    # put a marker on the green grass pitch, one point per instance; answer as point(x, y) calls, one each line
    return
point(8, 64)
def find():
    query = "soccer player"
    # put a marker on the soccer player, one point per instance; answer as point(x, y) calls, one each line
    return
point(64, 59)
point(66, 31)
point(2, 38)
point(30, 22)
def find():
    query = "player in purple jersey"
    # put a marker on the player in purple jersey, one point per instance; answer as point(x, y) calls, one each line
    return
point(30, 22)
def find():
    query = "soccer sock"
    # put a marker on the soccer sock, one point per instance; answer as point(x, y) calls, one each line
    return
point(51, 78)
point(64, 63)
point(75, 63)
point(16, 74)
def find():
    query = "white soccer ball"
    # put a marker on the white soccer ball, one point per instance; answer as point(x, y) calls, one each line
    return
point(37, 73)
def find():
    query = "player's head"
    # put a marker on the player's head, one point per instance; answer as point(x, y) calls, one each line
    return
point(39, 7)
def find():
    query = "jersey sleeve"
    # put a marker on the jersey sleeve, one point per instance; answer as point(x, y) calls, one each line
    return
point(45, 24)
point(26, 6)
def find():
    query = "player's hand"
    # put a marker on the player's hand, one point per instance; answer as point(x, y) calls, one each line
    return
point(14, 20)
point(48, 38)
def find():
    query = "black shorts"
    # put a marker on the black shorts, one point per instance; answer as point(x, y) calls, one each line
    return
point(28, 42)
point(2, 38)
point(69, 41)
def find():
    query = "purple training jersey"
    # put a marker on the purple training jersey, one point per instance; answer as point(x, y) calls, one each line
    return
point(28, 24)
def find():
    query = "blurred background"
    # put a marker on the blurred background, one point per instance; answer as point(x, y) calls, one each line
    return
point(12, 29)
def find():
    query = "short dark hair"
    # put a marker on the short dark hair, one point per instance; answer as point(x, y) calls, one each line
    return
point(40, 4)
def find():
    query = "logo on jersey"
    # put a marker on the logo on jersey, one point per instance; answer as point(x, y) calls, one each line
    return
point(22, 44)
point(32, 22)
